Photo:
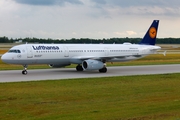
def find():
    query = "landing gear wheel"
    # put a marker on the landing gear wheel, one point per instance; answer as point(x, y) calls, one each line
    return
point(103, 70)
point(24, 72)
point(79, 68)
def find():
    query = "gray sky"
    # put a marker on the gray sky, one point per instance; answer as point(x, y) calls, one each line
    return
point(65, 19)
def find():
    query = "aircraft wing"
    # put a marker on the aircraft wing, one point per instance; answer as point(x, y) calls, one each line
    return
point(82, 58)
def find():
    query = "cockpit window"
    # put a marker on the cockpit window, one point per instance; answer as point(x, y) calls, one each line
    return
point(14, 51)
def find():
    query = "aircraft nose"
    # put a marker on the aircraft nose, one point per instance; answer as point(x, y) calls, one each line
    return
point(9, 58)
point(4, 58)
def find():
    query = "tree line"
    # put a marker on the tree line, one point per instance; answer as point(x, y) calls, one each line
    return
point(87, 40)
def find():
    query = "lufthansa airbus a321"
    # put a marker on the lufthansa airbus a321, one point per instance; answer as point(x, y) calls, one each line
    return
point(86, 56)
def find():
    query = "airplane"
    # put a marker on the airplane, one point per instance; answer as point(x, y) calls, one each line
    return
point(86, 56)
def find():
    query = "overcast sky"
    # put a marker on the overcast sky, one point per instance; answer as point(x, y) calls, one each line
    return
point(65, 19)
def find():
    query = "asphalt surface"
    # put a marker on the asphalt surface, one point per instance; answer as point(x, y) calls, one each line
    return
point(69, 73)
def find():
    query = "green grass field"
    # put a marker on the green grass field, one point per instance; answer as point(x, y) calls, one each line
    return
point(113, 98)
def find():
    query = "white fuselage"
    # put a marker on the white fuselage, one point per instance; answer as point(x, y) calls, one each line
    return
point(65, 54)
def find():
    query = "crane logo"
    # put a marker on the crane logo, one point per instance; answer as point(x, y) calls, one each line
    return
point(152, 32)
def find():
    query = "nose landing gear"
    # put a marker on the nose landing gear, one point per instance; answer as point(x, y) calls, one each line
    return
point(24, 72)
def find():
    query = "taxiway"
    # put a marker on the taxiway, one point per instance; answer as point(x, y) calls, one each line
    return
point(69, 73)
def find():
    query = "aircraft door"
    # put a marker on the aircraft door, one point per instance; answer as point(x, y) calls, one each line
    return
point(106, 51)
point(29, 52)
point(66, 51)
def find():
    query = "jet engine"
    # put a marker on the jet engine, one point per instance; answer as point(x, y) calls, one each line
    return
point(58, 65)
point(92, 65)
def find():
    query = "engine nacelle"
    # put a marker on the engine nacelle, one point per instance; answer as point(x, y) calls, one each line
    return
point(92, 65)
point(58, 65)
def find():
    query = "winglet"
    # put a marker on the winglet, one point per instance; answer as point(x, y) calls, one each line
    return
point(150, 36)
point(164, 53)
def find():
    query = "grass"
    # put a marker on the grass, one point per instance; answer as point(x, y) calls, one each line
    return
point(113, 98)
point(3, 51)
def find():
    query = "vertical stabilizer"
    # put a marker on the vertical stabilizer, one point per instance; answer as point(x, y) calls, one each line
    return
point(150, 36)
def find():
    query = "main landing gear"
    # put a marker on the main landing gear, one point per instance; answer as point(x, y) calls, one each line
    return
point(24, 72)
point(103, 70)
point(79, 68)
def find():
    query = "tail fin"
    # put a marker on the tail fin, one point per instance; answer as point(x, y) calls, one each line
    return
point(150, 36)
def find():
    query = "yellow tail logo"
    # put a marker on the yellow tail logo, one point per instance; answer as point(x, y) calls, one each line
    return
point(152, 32)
